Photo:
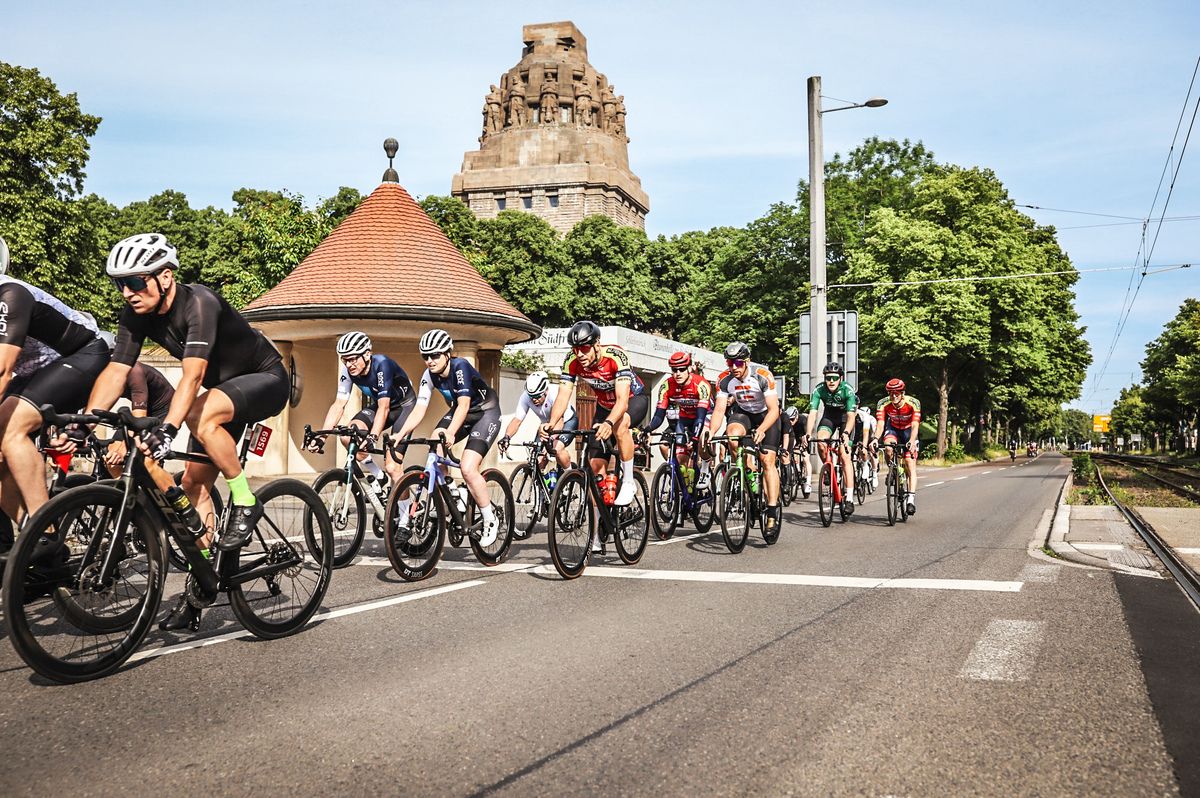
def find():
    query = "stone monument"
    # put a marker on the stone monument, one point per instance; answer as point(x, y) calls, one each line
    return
point(554, 139)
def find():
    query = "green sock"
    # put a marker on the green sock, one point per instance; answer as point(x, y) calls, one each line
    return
point(239, 491)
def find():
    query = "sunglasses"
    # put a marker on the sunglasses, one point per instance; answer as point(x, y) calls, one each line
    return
point(832, 378)
point(683, 370)
point(433, 356)
point(737, 364)
point(583, 349)
point(135, 282)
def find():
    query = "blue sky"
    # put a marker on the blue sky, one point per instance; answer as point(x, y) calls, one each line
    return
point(1072, 104)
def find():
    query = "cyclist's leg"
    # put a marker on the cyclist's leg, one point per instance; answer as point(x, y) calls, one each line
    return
point(634, 417)
point(482, 433)
point(364, 420)
point(393, 461)
point(770, 448)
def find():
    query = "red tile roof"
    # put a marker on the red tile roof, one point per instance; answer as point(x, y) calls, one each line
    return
point(388, 252)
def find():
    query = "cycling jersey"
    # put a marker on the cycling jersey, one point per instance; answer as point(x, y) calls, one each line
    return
point(525, 405)
point(611, 366)
point(842, 400)
point(750, 392)
point(199, 324)
point(865, 427)
point(461, 380)
point(692, 399)
point(40, 325)
point(382, 379)
point(906, 416)
point(147, 389)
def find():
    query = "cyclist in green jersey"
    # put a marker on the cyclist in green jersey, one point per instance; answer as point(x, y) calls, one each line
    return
point(839, 403)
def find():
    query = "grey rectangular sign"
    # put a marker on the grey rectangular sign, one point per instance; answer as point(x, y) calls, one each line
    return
point(841, 344)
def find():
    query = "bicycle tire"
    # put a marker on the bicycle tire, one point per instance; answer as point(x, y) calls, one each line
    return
point(414, 551)
point(86, 610)
point(825, 495)
point(502, 504)
point(664, 508)
point(347, 511)
point(633, 524)
point(860, 488)
point(281, 604)
point(704, 508)
point(526, 500)
point(902, 495)
point(571, 524)
point(732, 509)
point(890, 494)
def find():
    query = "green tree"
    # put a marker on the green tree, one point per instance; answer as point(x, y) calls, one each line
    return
point(609, 262)
point(678, 268)
point(1171, 373)
point(1130, 414)
point(456, 220)
point(524, 260)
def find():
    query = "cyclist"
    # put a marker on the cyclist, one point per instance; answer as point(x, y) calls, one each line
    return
point(620, 394)
point(861, 438)
point(539, 397)
point(794, 424)
point(837, 402)
point(690, 396)
point(898, 419)
point(389, 393)
point(474, 414)
point(750, 388)
point(149, 394)
point(49, 354)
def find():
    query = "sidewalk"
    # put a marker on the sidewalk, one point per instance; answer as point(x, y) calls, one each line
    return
point(1179, 528)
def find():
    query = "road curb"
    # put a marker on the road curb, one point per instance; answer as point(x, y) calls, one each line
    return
point(1060, 527)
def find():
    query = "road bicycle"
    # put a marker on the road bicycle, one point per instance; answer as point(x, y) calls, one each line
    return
point(675, 495)
point(112, 563)
point(580, 514)
point(830, 479)
point(741, 502)
point(346, 491)
point(531, 487)
point(428, 503)
point(864, 472)
point(896, 485)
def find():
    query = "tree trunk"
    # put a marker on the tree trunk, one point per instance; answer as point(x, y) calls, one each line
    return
point(976, 444)
point(943, 389)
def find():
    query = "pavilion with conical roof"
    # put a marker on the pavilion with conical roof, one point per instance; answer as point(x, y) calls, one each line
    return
point(390, 271)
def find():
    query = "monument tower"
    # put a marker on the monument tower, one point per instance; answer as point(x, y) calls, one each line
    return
point(554, 142)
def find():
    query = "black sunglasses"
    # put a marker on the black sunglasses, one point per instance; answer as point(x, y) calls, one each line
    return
point(680, 371)
point(134, 282)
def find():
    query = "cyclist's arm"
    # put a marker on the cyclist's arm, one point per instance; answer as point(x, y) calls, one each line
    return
point(621, 392)
point(462, 406)
point(334, 415)
point(772, 416)
point(718, 414)
point(812, 417)
point(418, 412)
point(187, 390)
point(382, 405)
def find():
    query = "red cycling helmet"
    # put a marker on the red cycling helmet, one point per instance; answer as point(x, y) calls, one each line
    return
point(895, 385)
point(680, 360)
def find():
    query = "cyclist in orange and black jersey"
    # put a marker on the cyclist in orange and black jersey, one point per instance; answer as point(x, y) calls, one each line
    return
point(689, 395)
point(898, 419)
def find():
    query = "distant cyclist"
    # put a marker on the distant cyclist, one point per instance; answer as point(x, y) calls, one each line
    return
point(539, 398)
point(899, 420)
point(837, 402)
point(863, 436)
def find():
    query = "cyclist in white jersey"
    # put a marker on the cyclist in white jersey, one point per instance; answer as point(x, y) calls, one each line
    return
point(864, 433)
point(539, 397)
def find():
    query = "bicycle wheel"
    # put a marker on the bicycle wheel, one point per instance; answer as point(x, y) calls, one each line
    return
point(704, 506)
point(572, 520)
point(527, 501)
point(733, 503)
point(825, 494)
point(502, 506)
point(890, 493)
point(902, 494)
point(347, 513)
point(666, 498)
point(785, 479)
point(64, 620)
point(279, 604)
point(633, 523)
point(860, 485)
point(414, 546)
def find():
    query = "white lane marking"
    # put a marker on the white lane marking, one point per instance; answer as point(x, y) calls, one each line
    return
point(504, 567)
point(676, 540)
point(956, 479)
point(935, 484)
point(1098, 546)
point(1005, 652)
point(984, 473)
point(1188, 551)
point(1040, 572)
point(354, 609)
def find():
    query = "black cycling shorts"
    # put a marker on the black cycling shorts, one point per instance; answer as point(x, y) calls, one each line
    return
point(639, 406)
point(66, 383)
point(482, 427)
point(395, 418)
point(752, 421)
point(833, 420)
point(255, 397)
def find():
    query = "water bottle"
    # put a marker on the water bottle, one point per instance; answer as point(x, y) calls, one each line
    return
point(551, 478)
point(187, 513)
point(689, 476)
point(753, 479)
point(460, 498)
point(608, 488)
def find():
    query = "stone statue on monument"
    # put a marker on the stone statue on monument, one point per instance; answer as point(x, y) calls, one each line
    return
point(516, 103)
point(619, 118)
point(492, 118)
point(549, 100)
point(608, 108)
point(583, 105)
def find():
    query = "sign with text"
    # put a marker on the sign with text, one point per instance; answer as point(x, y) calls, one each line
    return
point(1100, 423)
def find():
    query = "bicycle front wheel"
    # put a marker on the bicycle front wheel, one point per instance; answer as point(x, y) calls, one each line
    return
point(280, 602)
point(733, 502)
point(502, 506)
point(572, 521)
point(633, 524)
point(665, 500)
point(825, 494)
point(890, 489)
point(347, 513)
point(415, 527)
point(66, 619)
point(527, 501)
point(860, 486)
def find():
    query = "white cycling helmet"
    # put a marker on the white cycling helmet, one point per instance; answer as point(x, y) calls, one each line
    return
point(792, 414)
point(436, 342)
point(3, 257)
point(537, 384)
point(144, 253)
point(353, 343)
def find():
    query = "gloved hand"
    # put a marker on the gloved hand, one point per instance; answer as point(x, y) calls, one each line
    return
point(502, 444)
point(157, 442)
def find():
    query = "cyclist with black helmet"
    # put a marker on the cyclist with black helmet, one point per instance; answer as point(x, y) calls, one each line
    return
point(750, 389)
point(539, 398)
point(388, 395)
point(474, 414)
point(898, 419)
point(837, 401)
point(49, 354)
point(621, 401)
point(684, 399)
point(794, 425)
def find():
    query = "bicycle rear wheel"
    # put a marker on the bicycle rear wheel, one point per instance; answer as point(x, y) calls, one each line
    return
point(295, 528)
point(64, 620)
point(527, 501)
point(733, 504)
point(572, 521)
point(633, 523)
point(502, 506)
point(665, 502)
point(825, 494)
point(414, 534)
point(347, 513)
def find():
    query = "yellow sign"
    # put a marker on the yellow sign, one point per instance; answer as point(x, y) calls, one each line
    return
point(1100, 423)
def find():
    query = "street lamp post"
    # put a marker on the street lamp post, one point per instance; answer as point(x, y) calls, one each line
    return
point(816, 220)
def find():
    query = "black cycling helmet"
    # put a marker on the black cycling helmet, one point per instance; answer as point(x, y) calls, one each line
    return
point(737, 351)
point(583, 333)
point(834, 367)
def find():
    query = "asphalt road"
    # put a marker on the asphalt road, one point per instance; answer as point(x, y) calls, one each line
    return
point(936, 657)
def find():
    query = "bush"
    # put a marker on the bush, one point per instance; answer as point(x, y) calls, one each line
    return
point(1083, 468)
point(525, 362)
point(955, 454)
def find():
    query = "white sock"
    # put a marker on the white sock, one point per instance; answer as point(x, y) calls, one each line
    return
point(703, 466)
point(371, 467)
point(404, 507)
point(627, 471)
point(489, 513)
